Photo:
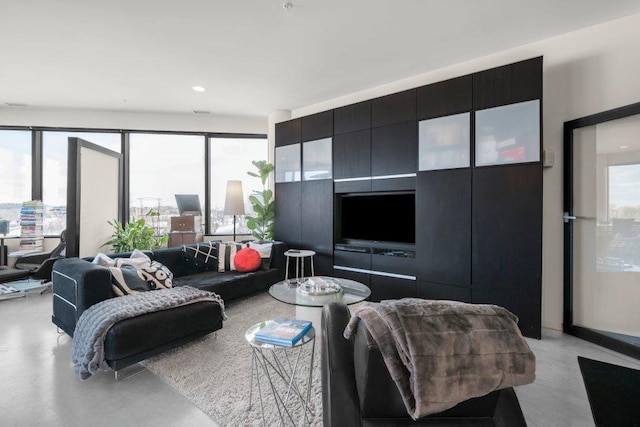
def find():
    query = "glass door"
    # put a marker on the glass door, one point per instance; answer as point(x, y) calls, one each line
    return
point(602, 229)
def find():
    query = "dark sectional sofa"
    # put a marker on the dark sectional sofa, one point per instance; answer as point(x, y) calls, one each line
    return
point(78, 284)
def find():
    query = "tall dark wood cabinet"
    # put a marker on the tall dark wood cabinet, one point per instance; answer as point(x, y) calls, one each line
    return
point(468, 150)
point(443, 232)
point(507, 241)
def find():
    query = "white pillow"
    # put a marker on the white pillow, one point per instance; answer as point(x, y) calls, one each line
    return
point(103, 260)
point(263, 248)
point(137, 258)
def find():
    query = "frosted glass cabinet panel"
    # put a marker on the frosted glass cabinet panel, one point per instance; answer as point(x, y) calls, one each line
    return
point(444, 143)
point(316, 159)
point(508, 134)
point(288, 163)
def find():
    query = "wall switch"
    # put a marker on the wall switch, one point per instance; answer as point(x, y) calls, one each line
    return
point(548, 158)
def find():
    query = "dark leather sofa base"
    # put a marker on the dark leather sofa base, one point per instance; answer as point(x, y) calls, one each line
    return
point(231, 285)
point(132, 340)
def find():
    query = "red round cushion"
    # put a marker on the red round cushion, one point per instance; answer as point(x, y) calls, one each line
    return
point(247, 259)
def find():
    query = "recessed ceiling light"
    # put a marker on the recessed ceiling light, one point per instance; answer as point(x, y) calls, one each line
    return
point(201, 112)
point(622, 147)
point(198, 88)
point(15, 104)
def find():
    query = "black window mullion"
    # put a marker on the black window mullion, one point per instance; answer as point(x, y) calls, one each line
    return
point(36, 165)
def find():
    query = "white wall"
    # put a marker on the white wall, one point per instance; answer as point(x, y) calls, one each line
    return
point(21, 116)
point(585, 72)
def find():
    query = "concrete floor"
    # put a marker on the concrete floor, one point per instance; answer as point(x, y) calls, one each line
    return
point(39, 388)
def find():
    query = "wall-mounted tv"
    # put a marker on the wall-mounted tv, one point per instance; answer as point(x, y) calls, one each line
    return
point(377, 217)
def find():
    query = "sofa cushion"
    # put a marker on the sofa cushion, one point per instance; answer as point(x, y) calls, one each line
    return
point(201, 256)
point(126, 280)
point(226, 255)
point(247, 259)
point(158, 274)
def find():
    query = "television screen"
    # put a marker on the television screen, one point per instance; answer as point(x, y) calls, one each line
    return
point(188, 204)
point(383, 217)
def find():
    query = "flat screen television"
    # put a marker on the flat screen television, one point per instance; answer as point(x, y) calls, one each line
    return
point(377, 217)
point(188, 204)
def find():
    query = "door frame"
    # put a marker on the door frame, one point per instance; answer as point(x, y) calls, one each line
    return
point(568, 326)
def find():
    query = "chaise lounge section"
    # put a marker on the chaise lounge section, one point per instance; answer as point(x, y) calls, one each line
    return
point(79, 284)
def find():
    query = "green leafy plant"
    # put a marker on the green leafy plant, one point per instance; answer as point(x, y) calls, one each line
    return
point(264, 207)
point(135, 235)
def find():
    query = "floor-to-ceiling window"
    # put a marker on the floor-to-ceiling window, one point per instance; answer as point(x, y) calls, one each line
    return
point(161, 166)
point(15, 179)
point(231, 159)
point(54, 172)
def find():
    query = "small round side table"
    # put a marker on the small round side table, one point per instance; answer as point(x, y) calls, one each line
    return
point(284, 375)
point(299, 255)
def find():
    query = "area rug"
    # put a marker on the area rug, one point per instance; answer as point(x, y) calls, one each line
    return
point(613, 392)
point(214, 372)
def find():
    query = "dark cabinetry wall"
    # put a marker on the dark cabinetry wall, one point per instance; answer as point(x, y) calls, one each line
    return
point(304, 209)
point(478, 229)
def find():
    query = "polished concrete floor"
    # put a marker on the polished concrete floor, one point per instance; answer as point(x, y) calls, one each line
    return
point(39, 388)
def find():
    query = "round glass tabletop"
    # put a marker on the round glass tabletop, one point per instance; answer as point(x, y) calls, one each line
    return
point(290, 292)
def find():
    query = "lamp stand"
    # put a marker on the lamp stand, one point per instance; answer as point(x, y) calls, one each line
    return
point(234, 228)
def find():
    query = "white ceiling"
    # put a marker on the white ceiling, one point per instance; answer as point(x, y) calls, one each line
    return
point(253, 56)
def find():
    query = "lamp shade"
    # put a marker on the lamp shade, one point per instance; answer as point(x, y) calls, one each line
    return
point(234, 200)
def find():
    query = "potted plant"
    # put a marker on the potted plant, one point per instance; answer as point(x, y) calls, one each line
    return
point(263, 204)
point(136, 234)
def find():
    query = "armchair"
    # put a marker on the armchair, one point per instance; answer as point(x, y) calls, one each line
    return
point(40, 264)
point(357, 389)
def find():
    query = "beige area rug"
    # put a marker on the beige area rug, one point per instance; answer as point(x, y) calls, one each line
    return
point(214, 371)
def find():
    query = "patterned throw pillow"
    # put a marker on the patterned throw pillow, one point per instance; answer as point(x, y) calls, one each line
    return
point(246, 260)
point(158, 275)
point(226, 254)
point(203, 256)
point(126, 280)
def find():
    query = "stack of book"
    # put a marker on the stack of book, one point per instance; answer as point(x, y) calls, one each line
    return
point(283, 331)
point(31, 226)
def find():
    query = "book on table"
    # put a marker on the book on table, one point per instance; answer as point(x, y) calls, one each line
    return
point(283, 331)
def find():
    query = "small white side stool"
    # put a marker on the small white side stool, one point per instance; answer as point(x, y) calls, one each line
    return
point(299, 255)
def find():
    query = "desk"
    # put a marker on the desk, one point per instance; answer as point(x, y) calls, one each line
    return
point(309, 307)
point(284, 376)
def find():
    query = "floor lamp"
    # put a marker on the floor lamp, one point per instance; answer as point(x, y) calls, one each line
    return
point(234, 202)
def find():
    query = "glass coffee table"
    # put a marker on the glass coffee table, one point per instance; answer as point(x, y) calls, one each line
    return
point(310, 294)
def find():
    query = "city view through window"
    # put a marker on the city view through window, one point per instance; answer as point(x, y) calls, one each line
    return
point(161, 166)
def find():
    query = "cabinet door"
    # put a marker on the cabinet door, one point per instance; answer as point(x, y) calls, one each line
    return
point(364, 278)
point(521, 81)
point(288, 200)
point(429, 290)
point(352, 118)
point(445, 98)
point(394, 149)
point(288, 132)
point(352, 155)
point(443, 227)
point(395, 108)
point(384, 287)
point(507, 241)
point(316, 126)
point(317, 223)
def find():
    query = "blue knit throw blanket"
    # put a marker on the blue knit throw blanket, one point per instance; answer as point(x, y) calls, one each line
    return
point(87, 354)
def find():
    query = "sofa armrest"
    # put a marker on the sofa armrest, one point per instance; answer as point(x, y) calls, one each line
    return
point(340, 403)
point(80, 284)
point(278, 260)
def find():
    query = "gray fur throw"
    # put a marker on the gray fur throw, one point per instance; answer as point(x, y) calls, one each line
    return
point(441, 353)
point(87, 354)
